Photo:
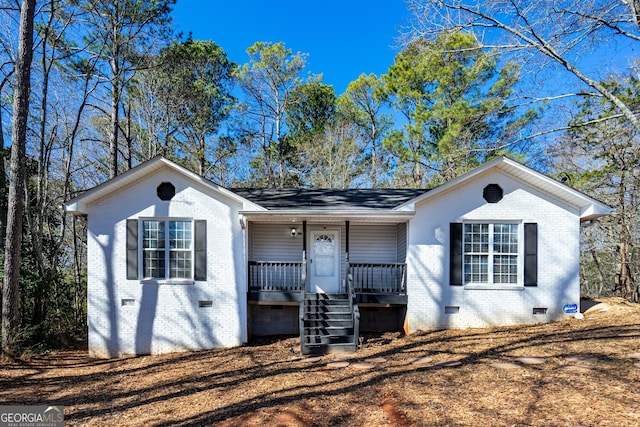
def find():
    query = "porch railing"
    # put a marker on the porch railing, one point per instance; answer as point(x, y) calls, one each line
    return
point(276, 276)
point(385, 278)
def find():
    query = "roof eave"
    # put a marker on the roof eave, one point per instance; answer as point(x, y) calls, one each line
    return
point(75, 207)
point(594, 211)
point(310, 214)
point(79, 205)
point(588, 207)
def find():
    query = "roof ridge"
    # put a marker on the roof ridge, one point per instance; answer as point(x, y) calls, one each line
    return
point(330, 198)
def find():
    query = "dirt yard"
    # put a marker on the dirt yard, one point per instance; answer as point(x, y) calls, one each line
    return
point(570, 373)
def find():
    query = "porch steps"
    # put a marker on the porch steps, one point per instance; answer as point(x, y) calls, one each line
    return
point(327, 324)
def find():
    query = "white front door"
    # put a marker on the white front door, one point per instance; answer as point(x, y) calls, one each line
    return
point(324, 261)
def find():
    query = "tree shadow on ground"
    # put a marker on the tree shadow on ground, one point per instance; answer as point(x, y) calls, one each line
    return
point(270, 359)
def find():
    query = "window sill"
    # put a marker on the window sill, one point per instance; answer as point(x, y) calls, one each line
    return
point(494, 287)
point(167, 282)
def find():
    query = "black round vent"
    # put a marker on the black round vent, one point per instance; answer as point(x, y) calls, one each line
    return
point(492, 193)
point(166, 191)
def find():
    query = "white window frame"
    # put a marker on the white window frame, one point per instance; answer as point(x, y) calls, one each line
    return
point(167, 251)
point(490, 283)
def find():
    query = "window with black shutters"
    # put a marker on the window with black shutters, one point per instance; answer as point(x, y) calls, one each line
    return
point(166, 248)
point(493, 253)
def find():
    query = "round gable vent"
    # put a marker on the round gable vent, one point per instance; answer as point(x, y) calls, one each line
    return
point(166, 191)
point(492, 193)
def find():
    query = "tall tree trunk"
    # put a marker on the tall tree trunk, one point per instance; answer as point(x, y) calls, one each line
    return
point(115, 102)
point(3, 177)
point(3, 203)
point(36, 224)
point(129, 138)
point(113, 136)
point(10, 289)
point(624, 279)
point(202, 155)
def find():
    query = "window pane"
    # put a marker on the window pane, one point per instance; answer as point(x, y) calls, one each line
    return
point(180, 234)
point(476, 238)
point(505, 238)
point(180, 249)
point(505, 269)
point(153, 264)
point(152, 234)
point(180, 264)
point(476, 268)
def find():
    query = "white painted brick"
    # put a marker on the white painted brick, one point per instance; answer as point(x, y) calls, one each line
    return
point(428, 258)
point(165, 317)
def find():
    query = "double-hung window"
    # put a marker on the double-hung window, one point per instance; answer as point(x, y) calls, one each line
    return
point(167, 249)
point(491, 253)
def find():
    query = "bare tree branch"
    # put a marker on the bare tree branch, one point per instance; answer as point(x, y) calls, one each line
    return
point(553, 29)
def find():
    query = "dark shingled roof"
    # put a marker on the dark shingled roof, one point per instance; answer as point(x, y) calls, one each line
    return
point(324, 199)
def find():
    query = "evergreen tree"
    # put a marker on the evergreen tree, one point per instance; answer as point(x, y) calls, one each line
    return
point(455, 102)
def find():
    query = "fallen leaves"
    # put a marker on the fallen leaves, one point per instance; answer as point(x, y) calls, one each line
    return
point(571, 372)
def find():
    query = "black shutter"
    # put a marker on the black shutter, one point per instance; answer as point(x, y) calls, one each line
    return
point(531, 254)
point(200, 249)
point(455, 254)
point(132, 249)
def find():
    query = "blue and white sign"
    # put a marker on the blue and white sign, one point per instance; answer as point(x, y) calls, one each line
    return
point(570, 308)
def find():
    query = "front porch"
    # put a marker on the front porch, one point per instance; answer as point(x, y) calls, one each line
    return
point(347, 278)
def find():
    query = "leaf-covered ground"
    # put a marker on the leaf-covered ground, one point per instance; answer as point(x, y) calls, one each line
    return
point(574, 373)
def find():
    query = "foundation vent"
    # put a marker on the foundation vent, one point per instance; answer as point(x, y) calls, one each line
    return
point(451, 309)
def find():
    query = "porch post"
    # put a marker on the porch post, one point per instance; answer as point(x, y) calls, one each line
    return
point(304, 236)
point(347, 240)
point(304, 256)
point(347, 283)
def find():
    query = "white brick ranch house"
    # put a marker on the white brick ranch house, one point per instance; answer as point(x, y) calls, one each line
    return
point(176, 262)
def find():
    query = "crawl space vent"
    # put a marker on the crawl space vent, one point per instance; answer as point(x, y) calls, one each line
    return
point(450, 309)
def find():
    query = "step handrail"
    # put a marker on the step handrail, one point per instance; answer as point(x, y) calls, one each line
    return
point(353, 306)
point(303, 303)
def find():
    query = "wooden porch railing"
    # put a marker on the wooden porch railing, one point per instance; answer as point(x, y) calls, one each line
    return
point(276, 276)
point(384, 278)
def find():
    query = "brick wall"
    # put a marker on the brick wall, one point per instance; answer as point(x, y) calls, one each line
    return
point(130, 317)
point(434, 304)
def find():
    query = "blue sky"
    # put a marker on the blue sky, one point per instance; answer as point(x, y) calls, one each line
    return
point(343, 38)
